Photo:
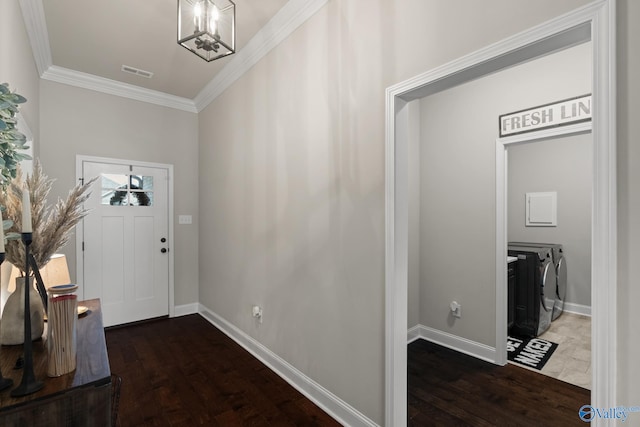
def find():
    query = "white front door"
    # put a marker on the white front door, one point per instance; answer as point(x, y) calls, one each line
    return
point(125, 241)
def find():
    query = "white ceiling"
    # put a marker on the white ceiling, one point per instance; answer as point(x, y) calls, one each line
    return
point(99, 36)
point(85, 43)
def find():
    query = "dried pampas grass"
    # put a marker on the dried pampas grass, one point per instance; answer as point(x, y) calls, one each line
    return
point(52, 226)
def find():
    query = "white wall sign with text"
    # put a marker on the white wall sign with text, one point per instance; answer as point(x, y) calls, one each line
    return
point(561, 113)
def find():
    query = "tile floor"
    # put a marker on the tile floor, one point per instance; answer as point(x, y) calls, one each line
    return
point(571, 362)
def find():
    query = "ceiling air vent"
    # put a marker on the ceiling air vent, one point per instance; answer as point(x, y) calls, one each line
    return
point(137, 71)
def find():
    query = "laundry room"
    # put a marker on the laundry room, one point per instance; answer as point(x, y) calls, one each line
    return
point(452, 210)
point(561, 168)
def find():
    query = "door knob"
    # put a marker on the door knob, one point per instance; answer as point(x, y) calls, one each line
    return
point(163, 240)
point(163, 250)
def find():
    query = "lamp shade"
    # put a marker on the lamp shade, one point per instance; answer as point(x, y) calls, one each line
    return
point(207, 27)
point(55, 272)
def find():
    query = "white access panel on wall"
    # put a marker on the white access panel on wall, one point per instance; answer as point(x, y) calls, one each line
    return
point(541, 209)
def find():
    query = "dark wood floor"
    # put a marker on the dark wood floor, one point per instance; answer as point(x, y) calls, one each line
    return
point(447, 388)
point(185, 372)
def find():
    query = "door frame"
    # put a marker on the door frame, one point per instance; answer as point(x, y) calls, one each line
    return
point(595, 22)
point(80, 227)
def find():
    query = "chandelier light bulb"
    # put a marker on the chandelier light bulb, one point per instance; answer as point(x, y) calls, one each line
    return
point(197, 16)
point(213, 21)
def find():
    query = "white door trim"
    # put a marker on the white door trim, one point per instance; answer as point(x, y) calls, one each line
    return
point(598, 18)
point(80, 227)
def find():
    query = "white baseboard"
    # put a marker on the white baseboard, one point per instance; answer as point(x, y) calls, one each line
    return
point(413, 334)
point(454, 342)
point(584, 310)
point(340, 410)
point(183, 310)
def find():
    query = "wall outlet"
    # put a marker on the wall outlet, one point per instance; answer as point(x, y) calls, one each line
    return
point(456, 309)
point(256, 311)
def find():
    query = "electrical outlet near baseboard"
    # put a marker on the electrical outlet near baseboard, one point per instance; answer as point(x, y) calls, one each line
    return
point(456, 309)
point(256, 312)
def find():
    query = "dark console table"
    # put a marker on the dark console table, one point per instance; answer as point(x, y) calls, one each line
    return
point(80, 398)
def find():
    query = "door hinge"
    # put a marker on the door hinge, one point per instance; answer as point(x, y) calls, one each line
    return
point(81, 180)
point(83, 246)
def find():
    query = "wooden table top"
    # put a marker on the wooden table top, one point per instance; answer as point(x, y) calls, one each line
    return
point(92, 362)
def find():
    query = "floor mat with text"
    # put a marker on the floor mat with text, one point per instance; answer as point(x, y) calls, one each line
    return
point(530, 352)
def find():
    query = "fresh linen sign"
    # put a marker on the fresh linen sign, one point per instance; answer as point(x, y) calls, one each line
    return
point(561, 113)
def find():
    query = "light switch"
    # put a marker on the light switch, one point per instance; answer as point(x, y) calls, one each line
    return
point(184, 219)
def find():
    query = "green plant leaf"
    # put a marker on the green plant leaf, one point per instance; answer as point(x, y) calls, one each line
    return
point(21, 156)
point(18, 99)
point(12, 235)
point(12, 141)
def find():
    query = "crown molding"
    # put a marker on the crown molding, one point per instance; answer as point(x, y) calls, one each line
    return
point(36, 26)
point(112, 87)
point(283, 23)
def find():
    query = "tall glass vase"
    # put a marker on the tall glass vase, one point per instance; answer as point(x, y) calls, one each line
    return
point(12, 324)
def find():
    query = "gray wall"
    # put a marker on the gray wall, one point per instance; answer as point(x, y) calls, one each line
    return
point(294, 182)
point(563, 165)
point(80, 121)
point(459, 128)
point(17, 66)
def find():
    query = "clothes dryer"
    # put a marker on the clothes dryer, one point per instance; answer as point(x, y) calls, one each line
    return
point(535, 290)
point(560, 265)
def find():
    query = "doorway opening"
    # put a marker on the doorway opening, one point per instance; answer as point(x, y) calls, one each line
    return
point(594, 22)
point(561, 163)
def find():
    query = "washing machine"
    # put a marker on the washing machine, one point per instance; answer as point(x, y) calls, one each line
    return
point(535, 290)
point(560, 265)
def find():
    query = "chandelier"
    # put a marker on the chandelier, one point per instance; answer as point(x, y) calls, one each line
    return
point(207, 27)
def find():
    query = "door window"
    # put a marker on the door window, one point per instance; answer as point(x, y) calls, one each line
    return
point(126, 190)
